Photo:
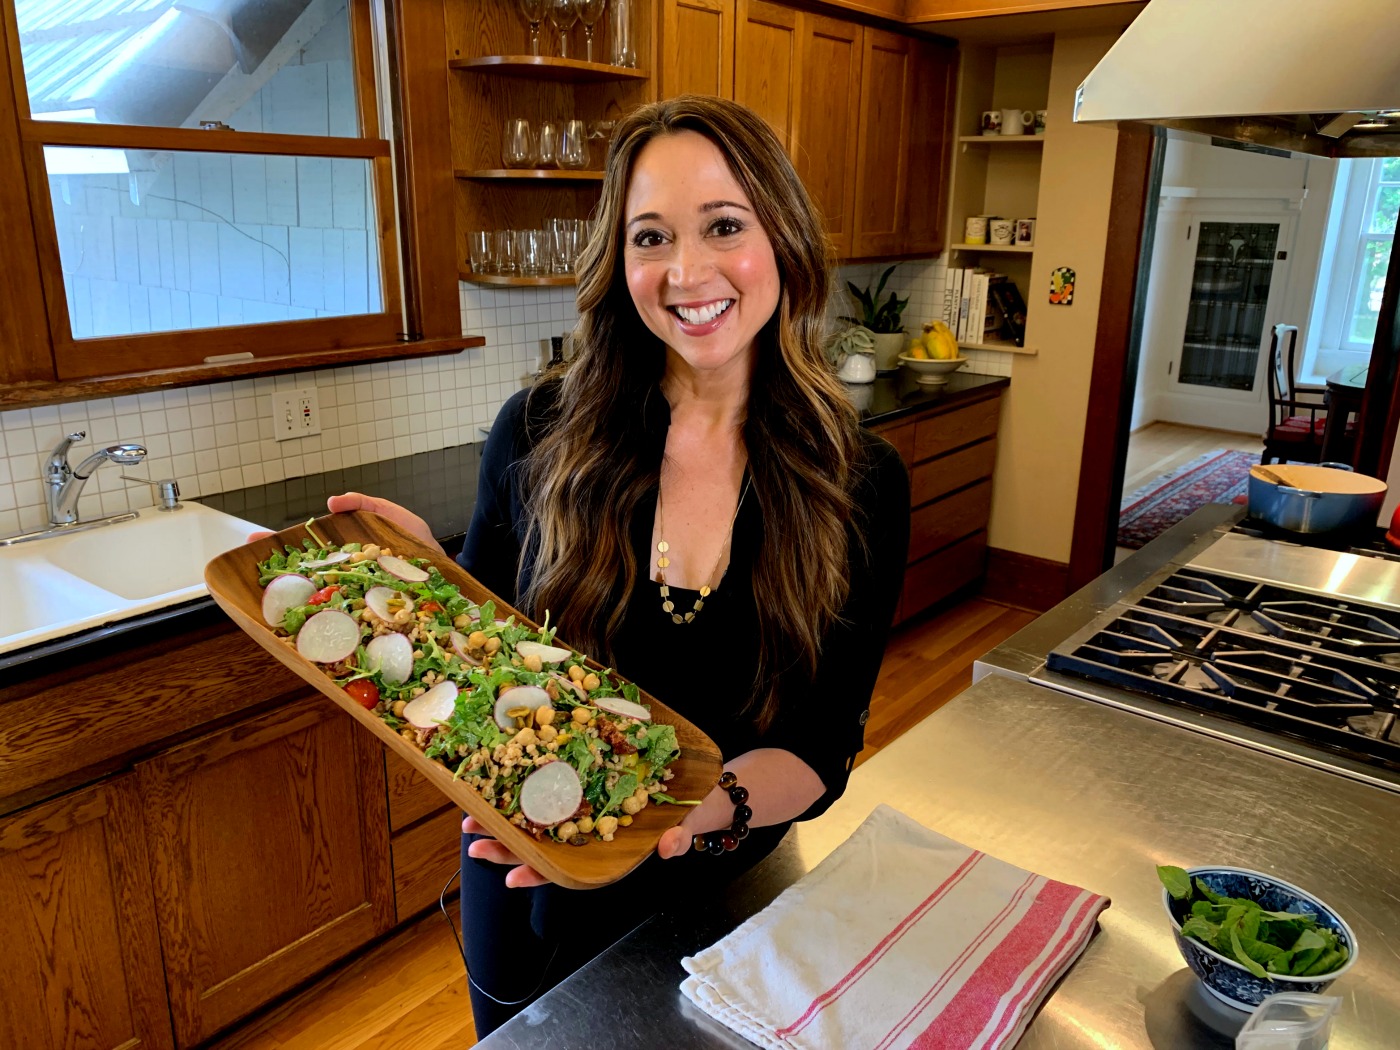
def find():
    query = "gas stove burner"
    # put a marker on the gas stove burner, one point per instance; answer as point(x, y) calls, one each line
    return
point(1362, 633)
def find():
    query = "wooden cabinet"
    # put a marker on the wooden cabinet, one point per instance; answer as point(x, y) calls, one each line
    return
point(425, 837)
point(828, 114)
point(697, 48)
point(269, 859)
point(950, 454)
point(768, 65)
point(906, 94)
point(82, 960)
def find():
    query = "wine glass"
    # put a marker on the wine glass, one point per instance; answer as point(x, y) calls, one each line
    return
point(518, 144)
point(589, 11)
point(563, 13)
point(573, 145)
point(533, 13)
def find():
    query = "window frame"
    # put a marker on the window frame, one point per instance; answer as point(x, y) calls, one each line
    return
point(90, 358)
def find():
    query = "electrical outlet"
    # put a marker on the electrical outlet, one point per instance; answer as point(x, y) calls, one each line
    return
point(295, 413)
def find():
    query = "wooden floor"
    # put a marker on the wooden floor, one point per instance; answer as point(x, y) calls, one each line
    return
point(1159, 448)
point(410, 990)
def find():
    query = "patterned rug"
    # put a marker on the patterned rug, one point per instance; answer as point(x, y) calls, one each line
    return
point(1221, 476)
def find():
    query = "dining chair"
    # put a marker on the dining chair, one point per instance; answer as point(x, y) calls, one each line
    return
point(1297, 413)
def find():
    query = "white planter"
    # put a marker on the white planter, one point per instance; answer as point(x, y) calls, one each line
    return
point(888, 347)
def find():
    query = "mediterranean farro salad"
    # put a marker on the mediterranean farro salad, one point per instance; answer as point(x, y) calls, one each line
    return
point(563, 750)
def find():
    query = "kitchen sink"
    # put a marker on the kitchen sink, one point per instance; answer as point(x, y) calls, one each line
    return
point(66, 583)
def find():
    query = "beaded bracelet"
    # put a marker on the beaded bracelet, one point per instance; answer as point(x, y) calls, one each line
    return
point(717, 842)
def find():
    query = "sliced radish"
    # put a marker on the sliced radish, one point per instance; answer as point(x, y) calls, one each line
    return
point(392, 656)
point(476, 618)
point(402, 569)
point(618, 706)
point(458, 641)
point(551, 794)
point(433, 707)
point(567, 681)
point(328, 637)
point(550, 654)
point(385, 602)
point(283, 593)
point(522, 698)
point(329, 559)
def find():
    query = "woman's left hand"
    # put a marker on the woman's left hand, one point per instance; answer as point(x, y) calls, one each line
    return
point(521, 874)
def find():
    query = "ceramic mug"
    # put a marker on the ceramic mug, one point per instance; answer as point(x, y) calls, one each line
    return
point(976, 230)
point(1002, 230)
point(1040, 122)
point(1016, 121)
point(991, 122)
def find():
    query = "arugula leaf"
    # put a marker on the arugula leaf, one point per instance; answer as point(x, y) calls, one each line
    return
point(661, 746)
point(625, 787)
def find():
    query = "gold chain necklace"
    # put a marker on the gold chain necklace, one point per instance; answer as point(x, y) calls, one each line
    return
point(662, 561)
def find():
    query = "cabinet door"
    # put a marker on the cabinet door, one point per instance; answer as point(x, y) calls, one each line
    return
point(82, 961)
point(697, 48)
point(767, 65)
point(929, 152)
point(882, 172)
point(270, 856)
point(828, 114)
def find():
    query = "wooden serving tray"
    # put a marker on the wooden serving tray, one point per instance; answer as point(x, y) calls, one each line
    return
point(232, 579)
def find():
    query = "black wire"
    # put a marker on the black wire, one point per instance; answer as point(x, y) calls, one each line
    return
point(462, 951)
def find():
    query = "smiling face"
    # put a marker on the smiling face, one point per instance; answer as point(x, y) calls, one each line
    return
point(700, 268)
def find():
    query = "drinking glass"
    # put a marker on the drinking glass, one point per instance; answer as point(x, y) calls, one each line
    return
point(518, 145)
point(533, 13)
point(589, 11)
point(563, 13)
point(530, 247)
point(479, 245)
point(561, 235)
point(547, 145)
point(623, 51)
point(573, 145)
point(505, 252)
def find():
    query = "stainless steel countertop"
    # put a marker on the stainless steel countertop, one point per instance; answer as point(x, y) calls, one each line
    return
point(1079, 792)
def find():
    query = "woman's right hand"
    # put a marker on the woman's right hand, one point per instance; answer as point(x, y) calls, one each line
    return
point(400, 516)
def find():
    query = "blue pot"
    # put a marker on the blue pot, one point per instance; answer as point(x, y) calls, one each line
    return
point(1311, 510)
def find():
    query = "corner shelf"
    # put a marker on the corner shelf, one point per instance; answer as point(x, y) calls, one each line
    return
point(546, 67)
point(507, 281)
point(1022, 249)
point(991, 140)
point(1005, 348)
point(567, 175)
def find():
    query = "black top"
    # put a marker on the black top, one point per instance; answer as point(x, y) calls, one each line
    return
point(705, 669)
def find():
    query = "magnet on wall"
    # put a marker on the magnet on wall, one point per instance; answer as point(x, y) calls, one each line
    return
point(1062, 286)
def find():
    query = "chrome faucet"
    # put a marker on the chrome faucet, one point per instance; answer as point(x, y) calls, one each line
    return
point(65, 484)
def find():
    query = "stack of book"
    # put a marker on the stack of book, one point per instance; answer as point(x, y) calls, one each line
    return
point(982, 307)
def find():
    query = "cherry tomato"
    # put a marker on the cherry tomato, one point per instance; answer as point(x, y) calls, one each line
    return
point(365, 692)
point(430, 607)
point(323, 595)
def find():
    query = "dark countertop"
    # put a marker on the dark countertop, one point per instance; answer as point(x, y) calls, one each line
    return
point(441, 487)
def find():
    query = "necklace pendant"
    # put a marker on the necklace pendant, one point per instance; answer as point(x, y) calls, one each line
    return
point(689, 617)
point(668, 606)
point(663, 546)
point(678, 618)
point(705, 591)
point(663, 562)
point(665, 591)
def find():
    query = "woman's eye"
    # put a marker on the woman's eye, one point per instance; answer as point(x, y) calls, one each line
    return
point(726, 227)
point(647, 239)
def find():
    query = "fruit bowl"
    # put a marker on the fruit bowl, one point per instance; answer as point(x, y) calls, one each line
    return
point(931, 371)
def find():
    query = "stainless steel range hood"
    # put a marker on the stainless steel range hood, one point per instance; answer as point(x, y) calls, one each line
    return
point(1309, 76)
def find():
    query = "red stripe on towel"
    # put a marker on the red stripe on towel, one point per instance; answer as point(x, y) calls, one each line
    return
point(886, 943)
point(946, 977)
point(962, 1021)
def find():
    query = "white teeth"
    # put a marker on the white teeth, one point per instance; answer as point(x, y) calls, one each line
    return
point(705, 314)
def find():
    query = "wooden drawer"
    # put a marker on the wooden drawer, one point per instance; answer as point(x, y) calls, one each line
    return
point(901, 437)
point(425, 856)
point(939, 575)
point(943, 433)
point(411, 795)
point(938, 524)
point(938, 477)
point(74, 725)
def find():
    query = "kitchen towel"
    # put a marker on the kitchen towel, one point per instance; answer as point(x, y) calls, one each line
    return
point(900, 938)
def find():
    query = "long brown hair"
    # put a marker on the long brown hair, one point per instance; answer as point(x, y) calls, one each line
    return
point(595, 463)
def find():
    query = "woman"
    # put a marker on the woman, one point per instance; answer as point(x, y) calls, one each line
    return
point(692, 502)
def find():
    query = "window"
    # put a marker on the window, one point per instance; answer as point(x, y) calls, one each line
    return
point(208, 179)
point(1360, 229)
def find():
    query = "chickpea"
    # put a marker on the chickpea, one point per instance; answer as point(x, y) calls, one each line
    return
point(565, 831)
point(406, 733)
point(606, 826)
point(533, 663)
point(398, 707)
point(461, 621)
point(581, 716)
point(591, 682)
point(371, 550)
point(546, 734)
point(525, 736)
point(576, 673)
point(476, 640)
point(585, 825)
point(492, 645)
point(544, 715)
point(632, 805)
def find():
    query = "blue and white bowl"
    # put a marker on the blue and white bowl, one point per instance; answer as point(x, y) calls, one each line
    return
point(1226, 979)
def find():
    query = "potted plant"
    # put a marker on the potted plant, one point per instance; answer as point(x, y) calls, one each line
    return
point(883, 321)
